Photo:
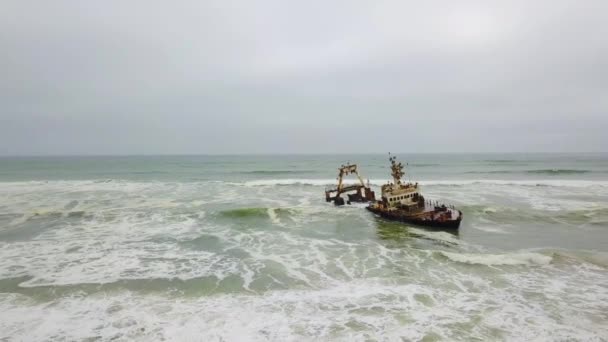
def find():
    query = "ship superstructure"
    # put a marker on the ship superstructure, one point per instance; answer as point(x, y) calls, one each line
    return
point(402, 201)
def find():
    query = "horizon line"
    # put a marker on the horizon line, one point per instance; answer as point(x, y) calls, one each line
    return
point(279, 154)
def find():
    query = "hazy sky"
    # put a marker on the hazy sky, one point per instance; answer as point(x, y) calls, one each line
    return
point(146, 77)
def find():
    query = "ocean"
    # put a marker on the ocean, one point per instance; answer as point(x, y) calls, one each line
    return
point(245, 248)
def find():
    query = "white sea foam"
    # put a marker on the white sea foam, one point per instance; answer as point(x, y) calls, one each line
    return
point(315, 273)
point(379, 182)
point(74, 188)
point(529, 182)
point(353, 310)
point(437, 236)
point(489, 228)
point(522, 258)
point(273, 216)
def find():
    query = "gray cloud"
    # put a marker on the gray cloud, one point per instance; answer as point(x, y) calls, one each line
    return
point(281, 76)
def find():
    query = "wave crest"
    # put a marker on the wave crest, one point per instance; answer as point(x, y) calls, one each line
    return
point(276, 172)
point(558, 171)
point(273, 213)
point(511, 259)
point(553, 172)
point(455, 182)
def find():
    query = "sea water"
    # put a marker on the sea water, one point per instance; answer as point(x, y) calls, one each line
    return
point(245, 248)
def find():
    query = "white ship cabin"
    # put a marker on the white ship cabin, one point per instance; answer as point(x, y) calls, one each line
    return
point(402, 199)
point(401, 195)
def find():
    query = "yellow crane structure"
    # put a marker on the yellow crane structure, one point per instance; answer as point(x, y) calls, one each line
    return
point(362, 192)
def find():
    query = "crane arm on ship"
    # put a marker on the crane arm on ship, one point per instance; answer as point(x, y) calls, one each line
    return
point(345, 170)
point(362, 193)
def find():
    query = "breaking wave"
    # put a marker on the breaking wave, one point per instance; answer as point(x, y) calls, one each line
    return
point(272, 213)
point(124, 185)
point(558, 171)
point(510, 259)
point(379, 182)
point(491, 172)
point(505, 161)
point(245, 212)
point(424, 165)
point(576, 217)
point(553, 172)
point(597, 258)
point(276, 172)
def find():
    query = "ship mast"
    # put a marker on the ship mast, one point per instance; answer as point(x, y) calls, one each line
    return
point(396, 169)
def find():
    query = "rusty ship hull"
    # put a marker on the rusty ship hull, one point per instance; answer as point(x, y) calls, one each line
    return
point(429, 219)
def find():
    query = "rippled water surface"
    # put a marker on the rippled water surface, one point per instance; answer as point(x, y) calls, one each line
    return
point(245, 248)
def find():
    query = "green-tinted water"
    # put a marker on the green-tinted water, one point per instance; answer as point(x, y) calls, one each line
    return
point(245, 248)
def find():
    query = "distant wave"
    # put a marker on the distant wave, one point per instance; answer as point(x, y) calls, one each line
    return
point(502, 161)
point(126, 185)
point(527, 182)
point(541, 171)
point(423, 165)
point(558, 171)
point(151, 172)
point(379, 182)
point(491, 172)
point(506, 162)
point(276, 172)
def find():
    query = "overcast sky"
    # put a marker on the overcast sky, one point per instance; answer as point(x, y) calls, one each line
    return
point(152, 77)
